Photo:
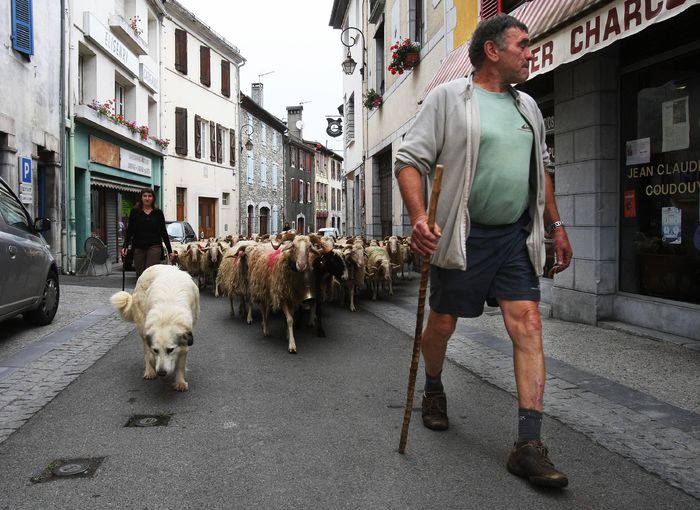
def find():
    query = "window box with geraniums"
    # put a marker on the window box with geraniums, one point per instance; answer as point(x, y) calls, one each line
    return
point(372, 100)
point(404, 56)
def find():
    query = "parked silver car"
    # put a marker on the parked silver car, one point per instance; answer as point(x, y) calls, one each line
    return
point(28, 272)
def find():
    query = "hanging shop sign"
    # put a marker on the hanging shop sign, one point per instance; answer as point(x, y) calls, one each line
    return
point(601, 28)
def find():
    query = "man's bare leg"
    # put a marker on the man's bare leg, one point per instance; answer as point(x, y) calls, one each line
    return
point(434, 345)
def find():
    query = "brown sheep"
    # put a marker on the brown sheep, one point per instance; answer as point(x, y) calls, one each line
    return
point(233, 275)
point(281, 278)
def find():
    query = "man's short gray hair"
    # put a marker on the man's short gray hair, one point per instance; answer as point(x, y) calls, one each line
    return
point(492, 29)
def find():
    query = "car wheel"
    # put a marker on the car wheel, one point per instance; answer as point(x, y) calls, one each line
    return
point(48, 306)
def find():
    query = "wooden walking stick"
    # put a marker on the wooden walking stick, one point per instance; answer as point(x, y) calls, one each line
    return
point(425, 268)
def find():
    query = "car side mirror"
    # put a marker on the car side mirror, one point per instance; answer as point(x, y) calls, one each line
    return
point(42, 224)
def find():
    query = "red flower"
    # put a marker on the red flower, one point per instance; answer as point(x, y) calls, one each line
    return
point(393, 71)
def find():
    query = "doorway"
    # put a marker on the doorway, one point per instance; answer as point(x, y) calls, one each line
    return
point(264, 220)
point(207, 217)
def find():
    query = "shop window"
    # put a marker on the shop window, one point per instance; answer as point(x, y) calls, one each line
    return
point(660, 181)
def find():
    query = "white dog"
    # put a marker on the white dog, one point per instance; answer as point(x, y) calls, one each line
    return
point(165, 308)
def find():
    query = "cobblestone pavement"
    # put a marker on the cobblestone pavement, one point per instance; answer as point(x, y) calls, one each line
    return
point(51, 358)
point(660, 434)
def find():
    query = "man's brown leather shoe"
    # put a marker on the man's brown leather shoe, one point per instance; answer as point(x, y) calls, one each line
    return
point(530, 459)
point(435, 411)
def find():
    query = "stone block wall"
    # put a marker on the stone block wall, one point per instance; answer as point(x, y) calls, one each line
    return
point(586, 141)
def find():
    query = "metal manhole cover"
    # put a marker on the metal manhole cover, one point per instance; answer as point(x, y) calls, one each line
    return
point(71, 469)
point(148, 420)
point(68, 468)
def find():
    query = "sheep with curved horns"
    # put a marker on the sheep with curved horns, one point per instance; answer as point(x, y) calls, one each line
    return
point(233, 277)
point(281, 278)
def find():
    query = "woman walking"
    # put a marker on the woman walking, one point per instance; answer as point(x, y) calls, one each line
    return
point(145, 231)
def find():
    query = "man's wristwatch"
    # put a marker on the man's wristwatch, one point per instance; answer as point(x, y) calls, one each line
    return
point(550, 228)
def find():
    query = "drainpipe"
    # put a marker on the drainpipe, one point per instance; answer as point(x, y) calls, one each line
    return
point(70, 170)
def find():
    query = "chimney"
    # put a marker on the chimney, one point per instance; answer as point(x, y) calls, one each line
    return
point(256, 93)
point(294, 122)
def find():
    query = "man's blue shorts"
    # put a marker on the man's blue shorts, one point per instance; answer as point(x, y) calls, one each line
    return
point(498, 267)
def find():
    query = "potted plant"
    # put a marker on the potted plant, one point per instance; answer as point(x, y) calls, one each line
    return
point(404, 56)
point(372, 100)
point(134, 24)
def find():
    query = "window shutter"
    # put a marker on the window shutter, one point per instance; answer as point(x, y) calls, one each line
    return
point(181, 50)
point(22, 27)
point(490, 8)
point(212, 141)
point(197, 136)
point(226, 78)
point(181, 131)
point(204, 67)
point(219, 144)
point(232, 147)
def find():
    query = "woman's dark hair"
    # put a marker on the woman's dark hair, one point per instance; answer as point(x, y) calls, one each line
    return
point(139, 204)
point(492, 29)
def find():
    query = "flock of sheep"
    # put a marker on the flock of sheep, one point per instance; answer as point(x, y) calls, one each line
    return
point(293, 272)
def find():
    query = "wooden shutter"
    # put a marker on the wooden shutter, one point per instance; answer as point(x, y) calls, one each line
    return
point(212, 141)
point(181, 50)
point(181, 131)
point(22, 27)
point(226, 78)
point(204, 65)
point(232, 147)
point(219, 144)
point(197, 136)
point(490, 8)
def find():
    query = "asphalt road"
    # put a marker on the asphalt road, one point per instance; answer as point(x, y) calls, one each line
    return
point(261, 428)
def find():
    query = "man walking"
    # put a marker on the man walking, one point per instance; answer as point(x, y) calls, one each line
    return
point(497, 201)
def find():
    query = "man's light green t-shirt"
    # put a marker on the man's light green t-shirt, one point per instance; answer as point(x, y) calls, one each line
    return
point(499, 193)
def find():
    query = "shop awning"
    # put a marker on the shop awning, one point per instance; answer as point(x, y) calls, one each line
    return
point(564, 30)
point(103, 182)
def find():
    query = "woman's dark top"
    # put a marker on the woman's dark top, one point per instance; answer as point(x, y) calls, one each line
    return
point(146, 230)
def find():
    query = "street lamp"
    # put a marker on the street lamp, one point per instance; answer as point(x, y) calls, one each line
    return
point(249, 143)
point(349, 64)
point(349, 68)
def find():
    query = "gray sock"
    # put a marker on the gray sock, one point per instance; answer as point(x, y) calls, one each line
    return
point(433, 384)
point(529, 424)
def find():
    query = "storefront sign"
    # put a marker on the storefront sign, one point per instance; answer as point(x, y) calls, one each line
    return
point(148, 77)
point(135, 163)
point(104, 153)
point(113, 46)
point(600, 29)
point(685, 176)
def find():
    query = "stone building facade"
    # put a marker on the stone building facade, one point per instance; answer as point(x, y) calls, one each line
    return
point(261, 168)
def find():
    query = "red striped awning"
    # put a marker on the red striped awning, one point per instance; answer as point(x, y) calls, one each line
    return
point(540, 16)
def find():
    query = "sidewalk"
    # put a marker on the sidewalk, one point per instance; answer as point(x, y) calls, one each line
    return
point(636, 396)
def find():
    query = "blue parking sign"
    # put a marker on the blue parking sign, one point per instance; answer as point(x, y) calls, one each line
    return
point(26, 170)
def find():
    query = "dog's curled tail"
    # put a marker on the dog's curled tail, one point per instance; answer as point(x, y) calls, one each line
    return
point(122, 301)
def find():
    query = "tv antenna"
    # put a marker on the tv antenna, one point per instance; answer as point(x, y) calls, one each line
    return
point(304, 102)
point(264, 74)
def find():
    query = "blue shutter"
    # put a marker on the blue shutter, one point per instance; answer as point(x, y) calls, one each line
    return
point(22, 31)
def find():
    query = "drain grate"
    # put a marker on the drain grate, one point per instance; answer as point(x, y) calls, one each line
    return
point(68, 468)
point(149, 420)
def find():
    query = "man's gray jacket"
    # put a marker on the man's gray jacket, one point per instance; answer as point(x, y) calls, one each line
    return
point(447, 132)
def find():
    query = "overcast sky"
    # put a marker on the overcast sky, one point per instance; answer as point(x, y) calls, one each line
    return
point(293, 39)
